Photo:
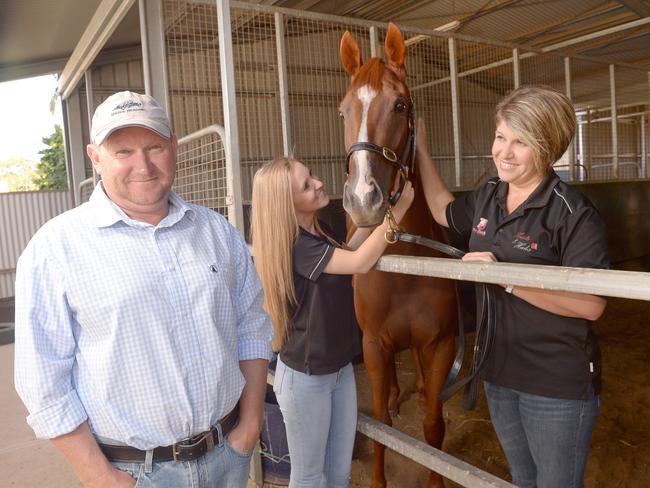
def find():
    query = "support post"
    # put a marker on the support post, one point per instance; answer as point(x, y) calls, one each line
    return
point(154, 57)
point(375, 50)
point(644, 149)
point(90, 107)
point(285, 113)
point(515, 67)
point(75, 144)
point(571, 150)
point(455, 111)
point(233, 163)
point(614, 115)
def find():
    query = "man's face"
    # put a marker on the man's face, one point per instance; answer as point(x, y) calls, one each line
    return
point(137, 168)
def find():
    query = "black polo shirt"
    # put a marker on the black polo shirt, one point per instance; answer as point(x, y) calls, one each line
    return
point(324, 335)
point(536, 351)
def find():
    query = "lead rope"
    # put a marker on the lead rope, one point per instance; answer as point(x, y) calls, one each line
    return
point(393, 230)
point(485, 329)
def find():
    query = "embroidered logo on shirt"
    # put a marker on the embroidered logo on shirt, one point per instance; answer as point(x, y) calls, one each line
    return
point(522, 241)
point(480, 227)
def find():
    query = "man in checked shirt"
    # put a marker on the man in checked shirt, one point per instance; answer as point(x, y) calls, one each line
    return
point(141, 342)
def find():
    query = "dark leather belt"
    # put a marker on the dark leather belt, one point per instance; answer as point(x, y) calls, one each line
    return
point(186, 450)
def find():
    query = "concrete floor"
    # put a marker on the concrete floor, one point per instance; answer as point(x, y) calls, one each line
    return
point(25, 461)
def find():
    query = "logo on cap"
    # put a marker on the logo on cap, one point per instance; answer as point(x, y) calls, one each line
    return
point(129, 104)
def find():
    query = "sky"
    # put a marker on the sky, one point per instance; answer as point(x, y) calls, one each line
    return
point(25, 116)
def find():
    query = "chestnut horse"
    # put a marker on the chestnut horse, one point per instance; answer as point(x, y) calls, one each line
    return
point(395, 311)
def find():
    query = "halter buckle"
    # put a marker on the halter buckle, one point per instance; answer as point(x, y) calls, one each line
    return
point(389, 154)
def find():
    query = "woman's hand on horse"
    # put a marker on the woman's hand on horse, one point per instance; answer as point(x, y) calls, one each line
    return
point(486, 257)
point(404, 202)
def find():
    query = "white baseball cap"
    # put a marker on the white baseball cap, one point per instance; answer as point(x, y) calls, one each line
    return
point(128, 109)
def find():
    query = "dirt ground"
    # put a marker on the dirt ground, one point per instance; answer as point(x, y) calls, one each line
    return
point(620, 449)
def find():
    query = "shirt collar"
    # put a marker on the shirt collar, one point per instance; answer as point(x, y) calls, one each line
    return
point(107, 213)
point(540, 196)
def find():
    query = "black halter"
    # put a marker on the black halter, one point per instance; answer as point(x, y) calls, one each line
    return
point(389, 155)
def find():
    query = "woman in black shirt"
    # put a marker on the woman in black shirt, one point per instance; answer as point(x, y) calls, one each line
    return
point(306, 274)
point(542, 379)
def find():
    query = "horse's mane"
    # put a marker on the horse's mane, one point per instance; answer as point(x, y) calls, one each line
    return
point(371, 73)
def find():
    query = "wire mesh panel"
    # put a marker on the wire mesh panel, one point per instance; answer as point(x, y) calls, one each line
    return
point(201, 171)
point(485, 75)
point(258, 97)
point(192, 46)
point(542, 69)
point(591, 98)
point(430, 84)
point(317, 84)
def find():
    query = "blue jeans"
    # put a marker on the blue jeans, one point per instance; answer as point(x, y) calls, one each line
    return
point(223, 467)
point(320, 416)
point(546, 440)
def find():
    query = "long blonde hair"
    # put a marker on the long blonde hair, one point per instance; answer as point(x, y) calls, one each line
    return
point(274, 231)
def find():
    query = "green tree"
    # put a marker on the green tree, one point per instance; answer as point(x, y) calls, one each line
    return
point(16, 174)
point(51, 172)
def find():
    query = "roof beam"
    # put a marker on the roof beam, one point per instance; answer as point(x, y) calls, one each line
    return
point(593, 35)
point(107, 17)
point(639, 7)
point(27, 70)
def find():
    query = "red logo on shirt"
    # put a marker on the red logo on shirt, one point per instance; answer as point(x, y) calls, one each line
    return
point(480, 227)
point(522, 241)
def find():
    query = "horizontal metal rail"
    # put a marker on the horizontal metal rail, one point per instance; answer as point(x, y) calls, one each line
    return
point(604, 282)
point(206, 131)
point(422, 453)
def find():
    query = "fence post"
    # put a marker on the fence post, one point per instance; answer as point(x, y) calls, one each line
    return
point(233, 162)
point(569, 93)
point(285, 113)
point(455, 111)
point(614, 115)
point(515, 67)
point(374, 42)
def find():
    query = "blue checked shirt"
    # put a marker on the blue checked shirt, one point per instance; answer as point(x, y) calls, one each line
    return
point(137, 328)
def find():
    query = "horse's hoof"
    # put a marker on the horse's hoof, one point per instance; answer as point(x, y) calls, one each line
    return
point(393, 414)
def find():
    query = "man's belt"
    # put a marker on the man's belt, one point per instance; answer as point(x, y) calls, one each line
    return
point(186, 450)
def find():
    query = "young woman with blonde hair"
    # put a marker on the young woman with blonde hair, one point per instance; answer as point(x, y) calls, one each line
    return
point(306, 274)
point(542, 380)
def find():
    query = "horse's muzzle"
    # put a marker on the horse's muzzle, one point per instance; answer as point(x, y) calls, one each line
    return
point(366, 212)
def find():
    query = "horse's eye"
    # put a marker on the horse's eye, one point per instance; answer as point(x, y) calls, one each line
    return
point(341, 115)
point(400, 106)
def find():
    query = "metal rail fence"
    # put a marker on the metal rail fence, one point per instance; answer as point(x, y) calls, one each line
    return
point(202, 175)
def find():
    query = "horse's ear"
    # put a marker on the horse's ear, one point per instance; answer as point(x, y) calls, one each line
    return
point(395, 50)
point(350, 54)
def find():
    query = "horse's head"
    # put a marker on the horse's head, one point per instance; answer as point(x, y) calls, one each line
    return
point(379, 128)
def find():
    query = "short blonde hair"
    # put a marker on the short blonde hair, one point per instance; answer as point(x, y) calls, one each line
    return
point(543, 118)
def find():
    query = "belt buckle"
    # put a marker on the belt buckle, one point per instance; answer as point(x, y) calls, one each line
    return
point(192, 443)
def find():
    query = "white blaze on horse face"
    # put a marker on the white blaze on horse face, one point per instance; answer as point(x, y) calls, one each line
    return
point(365, 94)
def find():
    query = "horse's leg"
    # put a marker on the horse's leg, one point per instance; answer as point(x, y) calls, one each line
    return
point(393, 394)
point(419, 376)
point(438, 356)
point(377, 359)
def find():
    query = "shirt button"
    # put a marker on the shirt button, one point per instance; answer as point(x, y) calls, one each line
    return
point(194, 361)
point(183, 312)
